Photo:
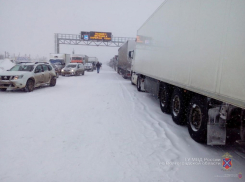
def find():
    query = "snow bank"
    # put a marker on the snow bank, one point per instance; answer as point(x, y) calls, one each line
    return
point(6, 64)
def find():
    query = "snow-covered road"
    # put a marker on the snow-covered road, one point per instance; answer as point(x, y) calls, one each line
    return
point(99, 128)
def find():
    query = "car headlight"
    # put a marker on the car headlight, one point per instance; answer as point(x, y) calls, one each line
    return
point(72, 70)
point(62, 70)
point(17, 77)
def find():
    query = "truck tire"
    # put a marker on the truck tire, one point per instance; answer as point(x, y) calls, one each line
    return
point(178, 106)
point(52, 82)
point(125, 75)
point(165, 98)
point(29, 85)
point(139, 84)
point(197, 118)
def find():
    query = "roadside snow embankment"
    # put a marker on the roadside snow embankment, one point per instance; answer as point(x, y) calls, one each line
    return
point(6, 64)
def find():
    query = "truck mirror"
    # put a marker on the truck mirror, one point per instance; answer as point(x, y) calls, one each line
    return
point(131, 54)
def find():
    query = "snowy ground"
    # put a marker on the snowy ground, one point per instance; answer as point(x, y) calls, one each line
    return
point(99, 128)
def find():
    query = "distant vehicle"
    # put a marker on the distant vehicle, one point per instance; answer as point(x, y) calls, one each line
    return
point(73, 69)
point(93, 60)
point(59, 61)
point(79, 58)
point(124, 61)
point(196, 70)
point(57, 72)
point(115, 62)
point(27, 76)
point(110, 63)
point(89, 67)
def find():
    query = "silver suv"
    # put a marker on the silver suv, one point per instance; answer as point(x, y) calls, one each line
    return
point(73, 69)
point(27, 76)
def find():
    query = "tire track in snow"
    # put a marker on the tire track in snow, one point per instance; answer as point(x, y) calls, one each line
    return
point(154, 126)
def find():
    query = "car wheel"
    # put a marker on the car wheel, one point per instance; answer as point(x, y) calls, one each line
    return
point(29, 85)
point(197, 118)
point(3, 89)
point(52, 82)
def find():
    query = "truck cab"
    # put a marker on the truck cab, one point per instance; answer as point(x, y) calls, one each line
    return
point(59, 61)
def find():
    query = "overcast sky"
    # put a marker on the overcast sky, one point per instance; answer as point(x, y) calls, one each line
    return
point(28, 26)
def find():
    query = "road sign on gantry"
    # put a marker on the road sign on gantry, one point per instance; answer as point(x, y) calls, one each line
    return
point(100, 36)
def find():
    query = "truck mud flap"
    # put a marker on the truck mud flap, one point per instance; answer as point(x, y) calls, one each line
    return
point(216, 128)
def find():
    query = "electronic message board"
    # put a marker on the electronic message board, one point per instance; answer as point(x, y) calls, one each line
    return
point(103, 36)
point(106, 36)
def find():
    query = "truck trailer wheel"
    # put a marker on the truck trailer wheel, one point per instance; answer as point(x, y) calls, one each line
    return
point(165, 97)
point(178, 106)
point(198, 118)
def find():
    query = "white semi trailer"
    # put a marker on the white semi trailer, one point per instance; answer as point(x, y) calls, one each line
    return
point(92, 60)
point(124, 61)
point(191, 55)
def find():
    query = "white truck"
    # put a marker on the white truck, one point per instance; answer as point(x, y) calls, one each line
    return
point(124, 61)
point(59, 61)
point(93, 60)
point(191, 55)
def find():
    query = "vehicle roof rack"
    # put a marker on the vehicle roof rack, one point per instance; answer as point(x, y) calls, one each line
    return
point(41, 62)
point(24, 62)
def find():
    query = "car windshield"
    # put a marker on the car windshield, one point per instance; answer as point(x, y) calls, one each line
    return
point(56, 61)
point(22, 68)
point(71, 66)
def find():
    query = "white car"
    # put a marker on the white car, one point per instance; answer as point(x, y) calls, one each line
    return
point(27, 76)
